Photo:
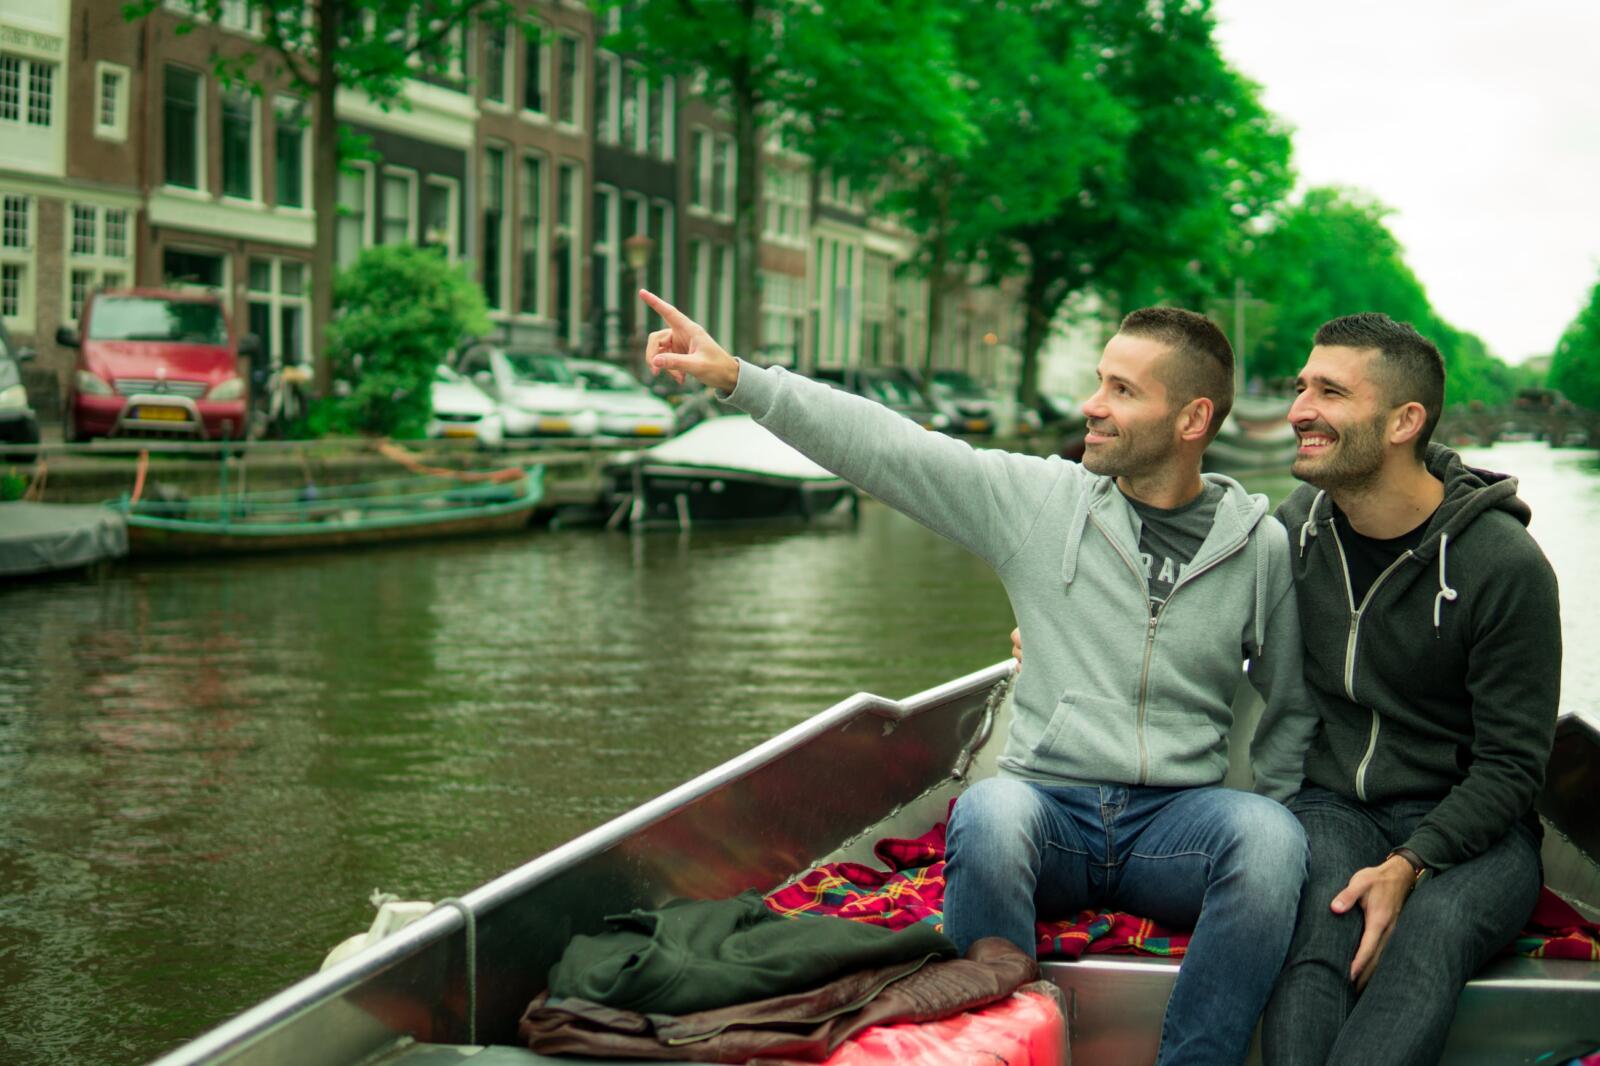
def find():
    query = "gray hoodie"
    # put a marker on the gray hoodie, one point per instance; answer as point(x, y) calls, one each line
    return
point(1111, 694)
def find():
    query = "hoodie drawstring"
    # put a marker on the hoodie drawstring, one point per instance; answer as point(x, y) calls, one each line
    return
point(1261, 593)
point(1308, 528)
point(1446, 593)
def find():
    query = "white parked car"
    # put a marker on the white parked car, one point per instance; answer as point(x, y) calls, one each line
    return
point(626, 408)
point(538, 394)
point(461, 409)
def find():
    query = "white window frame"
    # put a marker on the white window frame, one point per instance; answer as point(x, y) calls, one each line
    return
point(546, 81)
point(452, 235)
point(368, 195)
point(276, 299)
point(730, 176)
point(253, 168)
point(669, 226)
point(202, 171)
point(608, 241)
point(240, 16)
point(283, 107)
point(725, 310)
point(508, 68)
point(669, 118)
point(700, 279)
point(103, 268)
point(573, 231)
point(609, 110)
point(544, 234)
point(24, 259)
point(578, 90)
point(118, 129)
point(700, 140)
point(413, 205)
point(27, 66)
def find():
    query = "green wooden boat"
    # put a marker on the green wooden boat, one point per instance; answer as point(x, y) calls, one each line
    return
point(410, 508)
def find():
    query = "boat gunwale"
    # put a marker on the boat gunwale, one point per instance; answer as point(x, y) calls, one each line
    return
point(239, 1032)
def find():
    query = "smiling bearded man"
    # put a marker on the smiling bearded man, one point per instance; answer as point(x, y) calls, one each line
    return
point(1433, 658)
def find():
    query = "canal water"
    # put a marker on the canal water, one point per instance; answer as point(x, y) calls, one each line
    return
point(206, 769)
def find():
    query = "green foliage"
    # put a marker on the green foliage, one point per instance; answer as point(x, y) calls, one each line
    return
point(1333, 254)
point(1575, 364)
point(400, 311)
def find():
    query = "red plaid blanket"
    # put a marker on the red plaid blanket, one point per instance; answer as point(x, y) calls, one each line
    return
point(911, 889)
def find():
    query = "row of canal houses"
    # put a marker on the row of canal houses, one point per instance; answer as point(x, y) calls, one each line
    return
point(536, 164)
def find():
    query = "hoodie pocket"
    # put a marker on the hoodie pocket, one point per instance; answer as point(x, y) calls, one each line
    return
point(1187, 746)
point(1088, 738)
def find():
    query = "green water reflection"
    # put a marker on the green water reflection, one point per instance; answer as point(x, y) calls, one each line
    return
point(206, 769)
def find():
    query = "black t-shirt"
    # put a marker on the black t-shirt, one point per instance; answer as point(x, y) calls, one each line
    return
point(1368, 557)
point(1168, 539)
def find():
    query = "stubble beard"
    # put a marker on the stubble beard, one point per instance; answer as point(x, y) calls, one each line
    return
point(1354, 463)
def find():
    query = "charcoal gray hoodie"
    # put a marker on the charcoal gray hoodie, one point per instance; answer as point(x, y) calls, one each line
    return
point(1443, 682)
point(1112, 694)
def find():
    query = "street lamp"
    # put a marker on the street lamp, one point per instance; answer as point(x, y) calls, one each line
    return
point(637, 251)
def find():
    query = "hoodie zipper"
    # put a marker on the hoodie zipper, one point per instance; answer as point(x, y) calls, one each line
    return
point(1150, 630)
point(1350, 651)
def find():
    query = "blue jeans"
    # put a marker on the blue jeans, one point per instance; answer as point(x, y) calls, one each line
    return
point(1229, 864)
point(1451, 925)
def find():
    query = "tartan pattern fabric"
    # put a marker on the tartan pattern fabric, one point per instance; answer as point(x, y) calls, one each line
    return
point(1557, 931)
point(910, 889)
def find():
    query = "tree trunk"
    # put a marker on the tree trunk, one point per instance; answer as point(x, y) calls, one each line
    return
point(937, 282)
point(746, 213)
point(324, 189)
point(1037, 311)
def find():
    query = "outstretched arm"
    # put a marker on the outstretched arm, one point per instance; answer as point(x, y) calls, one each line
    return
point(985, 500)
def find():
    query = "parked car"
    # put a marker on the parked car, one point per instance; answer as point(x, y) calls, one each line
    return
point(462, 409)
point(893, 386)
point(625, 407)
point(18, 423)
point(969, 406)
point(155, 362)
point(537, 392)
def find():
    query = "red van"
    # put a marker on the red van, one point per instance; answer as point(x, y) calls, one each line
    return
point(156, 363)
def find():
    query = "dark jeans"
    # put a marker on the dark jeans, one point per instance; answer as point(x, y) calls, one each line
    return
point(1450, 926)
point(1229, 864)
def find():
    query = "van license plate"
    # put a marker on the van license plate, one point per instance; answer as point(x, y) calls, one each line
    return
point(161, 414)
point(458, 432)
point(554, 425)
point(646, 429)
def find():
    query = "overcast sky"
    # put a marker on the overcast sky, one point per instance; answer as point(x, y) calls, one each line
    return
point(1477, 121)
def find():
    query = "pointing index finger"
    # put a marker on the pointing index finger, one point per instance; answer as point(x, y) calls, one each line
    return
point(675, 318)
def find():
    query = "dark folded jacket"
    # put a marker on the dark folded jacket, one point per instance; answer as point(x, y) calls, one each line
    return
point(695, 955)
point(804, 1025)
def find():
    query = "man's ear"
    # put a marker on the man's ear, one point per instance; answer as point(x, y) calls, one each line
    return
point(1195, 419)
point(1406, 422)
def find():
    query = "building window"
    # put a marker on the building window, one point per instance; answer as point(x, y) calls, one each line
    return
point(536, 73)
point(496, 65)
point(494, 227)
point(724, 177)
point(655, 100)
point(290, 148)
point(111, 102)
point(660, 268)
point(569, 73)
point(628, 114)
point(607, 96)
point(237, 15)
point(568, 257)
point(783, 308)
point(399, 207)
point(785, 204)
point(441, 213)
point(531, 242)
point(16, 260)
point(278, 308)
point(182, 268)
point(183, 130)
point(607, 259)
point(699, 169)
point(354, 227)
point(238, 145)
point(97, 253)
point(27, 91)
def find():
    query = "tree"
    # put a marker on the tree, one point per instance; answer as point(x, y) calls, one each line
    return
point(1575, 364)
point(378, 46)
point(1174, 156)
point(401, 309)
point(821, 72)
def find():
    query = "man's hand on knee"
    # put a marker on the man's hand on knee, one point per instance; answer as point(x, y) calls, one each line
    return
point(1381, 892)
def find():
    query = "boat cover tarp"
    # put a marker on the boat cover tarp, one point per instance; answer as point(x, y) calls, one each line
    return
point(736, 443)
point(37, 538)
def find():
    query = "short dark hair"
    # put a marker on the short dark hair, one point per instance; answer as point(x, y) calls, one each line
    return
point(1201, 360)
point(1411, 370)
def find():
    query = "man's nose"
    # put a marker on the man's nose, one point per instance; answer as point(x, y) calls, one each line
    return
point(1301, 410)
point(1095, 405)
